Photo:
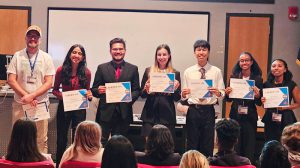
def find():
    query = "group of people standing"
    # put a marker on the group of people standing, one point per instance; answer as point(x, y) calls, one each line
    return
point(31, 73)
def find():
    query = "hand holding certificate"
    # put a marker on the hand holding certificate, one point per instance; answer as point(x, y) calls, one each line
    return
point(118, 92)
point(276, 97)
point(37, 113)
point(242, 89)
point(75, 100)
point(162, 82)
point(199, 88)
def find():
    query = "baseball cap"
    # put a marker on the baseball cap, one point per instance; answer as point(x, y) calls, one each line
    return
point(36, 28)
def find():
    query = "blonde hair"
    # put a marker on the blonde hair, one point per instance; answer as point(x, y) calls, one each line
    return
point(193, 159)
point(169, 68)
point(291, 137)
point(87, 138)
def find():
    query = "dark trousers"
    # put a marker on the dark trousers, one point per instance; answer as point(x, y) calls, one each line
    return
point(63, 121)
point(273, 131)
point(247, 140)
point(116, 126)
point(200, 123)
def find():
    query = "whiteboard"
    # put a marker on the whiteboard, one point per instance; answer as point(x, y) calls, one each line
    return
point(143, 31)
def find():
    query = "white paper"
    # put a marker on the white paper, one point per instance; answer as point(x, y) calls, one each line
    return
point(276, 97)
point(118, 92)
point(162, 82)
point(199, 88)
point(75, 100)
point(242, 89)
point(40, 112)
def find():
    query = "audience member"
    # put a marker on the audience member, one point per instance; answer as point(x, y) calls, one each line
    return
point(118, 153)
point(159, 148)
point(159, 108)
point(291, 141)
point(228, 131)
point(23, 146)
point(193, 159)
point(87, 144)
point(274, 155)
point(276, 119)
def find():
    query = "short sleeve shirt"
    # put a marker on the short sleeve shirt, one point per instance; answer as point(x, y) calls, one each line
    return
point(20, 66)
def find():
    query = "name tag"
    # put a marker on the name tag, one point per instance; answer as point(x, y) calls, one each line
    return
point(242, 110)
point(31, 79)
point(276, 117)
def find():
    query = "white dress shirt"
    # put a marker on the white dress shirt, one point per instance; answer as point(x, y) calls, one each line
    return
point(211, 72)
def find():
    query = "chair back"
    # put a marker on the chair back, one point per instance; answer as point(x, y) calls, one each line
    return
point(150, 166)
point(245, 166)
point(10, 164)
point(79, 164)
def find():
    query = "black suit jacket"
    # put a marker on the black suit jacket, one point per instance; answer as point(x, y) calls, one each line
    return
point(106, 74)
point(159, 108)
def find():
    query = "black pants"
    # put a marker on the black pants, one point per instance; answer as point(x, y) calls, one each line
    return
point(64, 119)
point(273, 131)
point(200, 123)
point(116, 126)
point(247, 140)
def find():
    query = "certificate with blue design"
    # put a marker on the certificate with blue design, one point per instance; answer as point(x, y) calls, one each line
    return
point(199, 88)
point(276, 97)
point(118, 92)
point(75, 100)
point(162, 82)
point(242, 89)
point(37, 113)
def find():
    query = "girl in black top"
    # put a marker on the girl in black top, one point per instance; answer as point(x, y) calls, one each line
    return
point(159, 108)
point(244, 110)
point(280, 76)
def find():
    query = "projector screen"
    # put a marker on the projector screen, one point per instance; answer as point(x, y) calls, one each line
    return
point(143, 31)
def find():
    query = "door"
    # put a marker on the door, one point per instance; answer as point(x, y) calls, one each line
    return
point(251, 33)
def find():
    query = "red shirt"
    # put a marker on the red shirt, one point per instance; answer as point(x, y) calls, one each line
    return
point(74, 83)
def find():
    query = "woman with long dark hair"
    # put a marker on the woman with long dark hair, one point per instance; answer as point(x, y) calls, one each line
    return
point(118, 153)
point(22, 146)
point(280, 76)
point(244, 110)
point(72, 75)
point(159, 107)
point(159, 150)
point(274, 155)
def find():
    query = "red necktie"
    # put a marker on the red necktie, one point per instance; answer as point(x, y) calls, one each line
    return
point(118, 73)
point(202, 71)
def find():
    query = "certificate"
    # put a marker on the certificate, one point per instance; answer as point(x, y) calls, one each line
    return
point(118, 92)
point(276, 97)
point(242, 89)
point(40, 112)
point(199, 88)
point(162, 82)
point(75, 100)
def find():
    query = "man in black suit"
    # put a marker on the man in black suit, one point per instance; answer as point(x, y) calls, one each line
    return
point(115, 118)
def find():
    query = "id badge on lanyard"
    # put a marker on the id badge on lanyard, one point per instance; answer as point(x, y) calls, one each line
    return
point(242, 109)
point(32, 78)
point(276, 117)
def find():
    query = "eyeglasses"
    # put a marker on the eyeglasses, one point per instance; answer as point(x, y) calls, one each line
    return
point(75, 52)
point(33, 36)
point(245, 60)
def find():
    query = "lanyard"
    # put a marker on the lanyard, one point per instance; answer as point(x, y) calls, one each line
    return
point(30, 63)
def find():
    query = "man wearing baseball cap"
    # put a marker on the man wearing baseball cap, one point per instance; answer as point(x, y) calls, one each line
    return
point(30, 75)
